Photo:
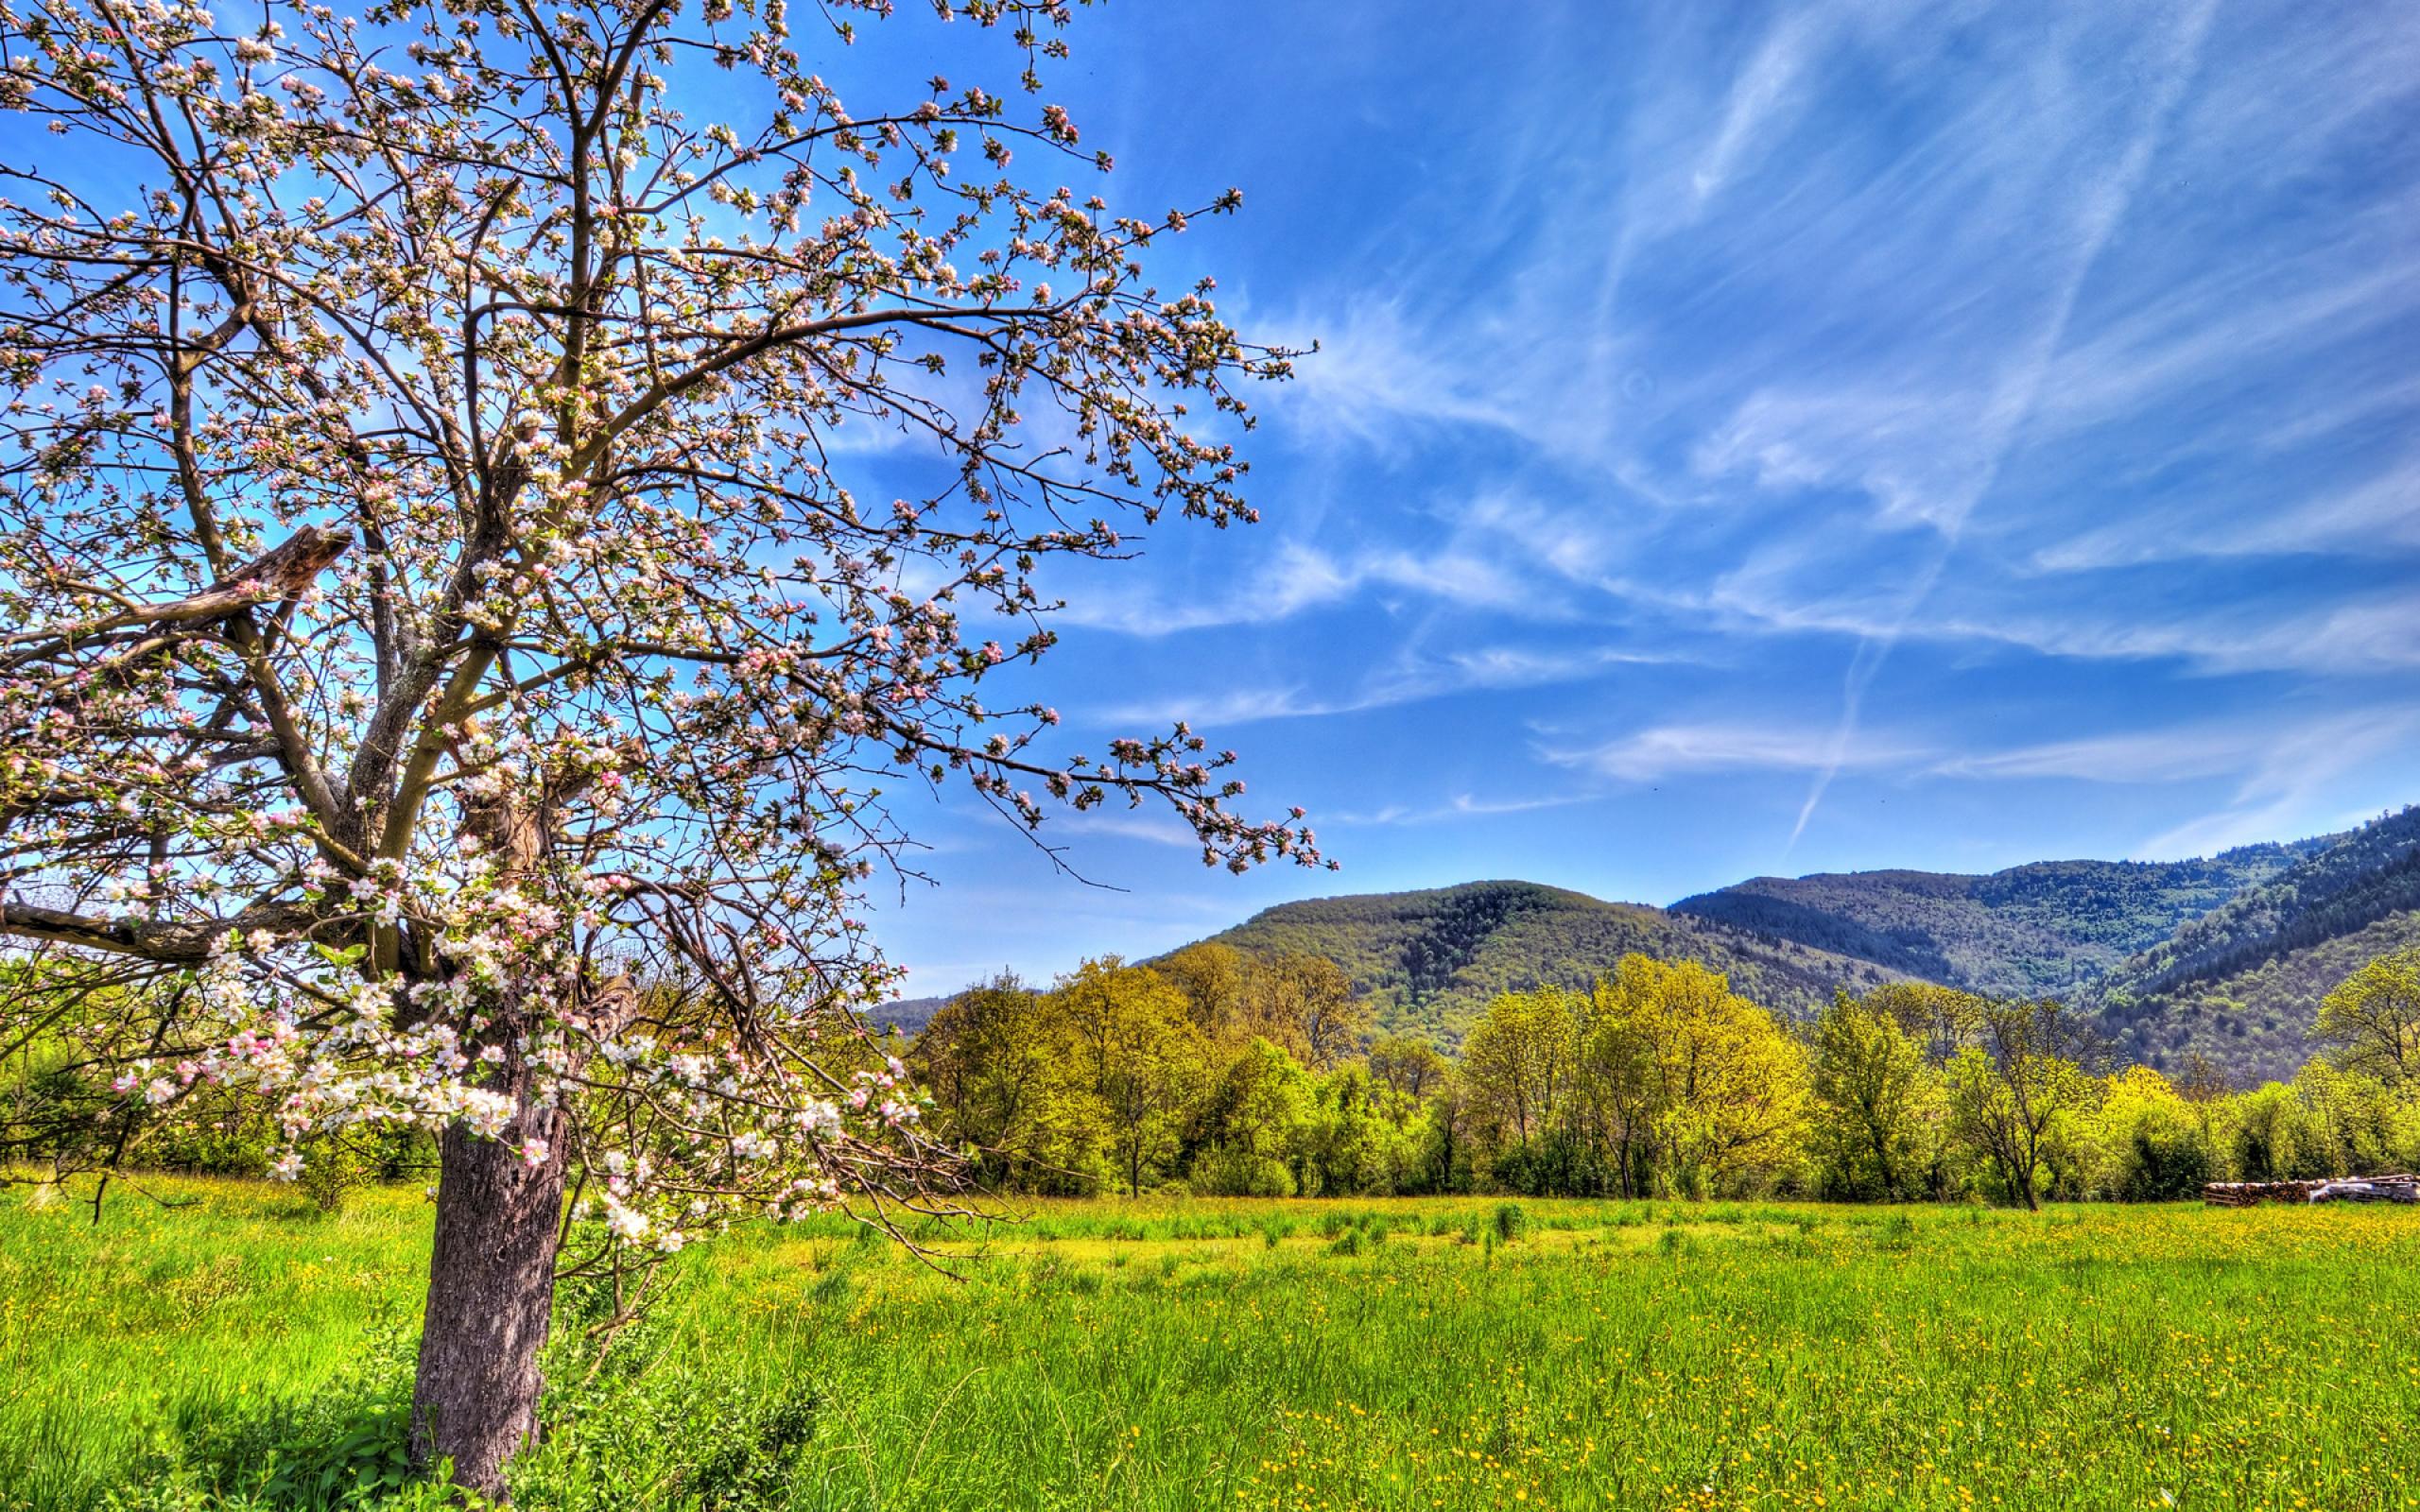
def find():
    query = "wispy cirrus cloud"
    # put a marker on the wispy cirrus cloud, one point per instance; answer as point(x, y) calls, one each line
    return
point(2246, 748)
point(2348, 634)
point(2288, 781)
point(1899, 429)
point(2266, 760)
point(1460, 806)
point(2379, 513)
point(1689, 749)
point(1411, 677)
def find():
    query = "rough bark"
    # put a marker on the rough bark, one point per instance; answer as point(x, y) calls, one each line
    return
point(282, 571)
point(490, 1287)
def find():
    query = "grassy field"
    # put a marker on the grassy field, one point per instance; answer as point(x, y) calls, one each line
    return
point(245, 1350)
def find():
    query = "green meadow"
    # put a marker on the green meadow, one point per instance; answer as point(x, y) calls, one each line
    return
point(225, 1345)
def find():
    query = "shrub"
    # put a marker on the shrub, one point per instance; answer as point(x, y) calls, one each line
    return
point(1241, 1173)
point(1511, 1221)
point(331, 1171)
point(2163, 1163)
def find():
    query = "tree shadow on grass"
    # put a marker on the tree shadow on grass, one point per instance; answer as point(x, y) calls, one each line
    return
point(345, 1444)
point(644, 1426)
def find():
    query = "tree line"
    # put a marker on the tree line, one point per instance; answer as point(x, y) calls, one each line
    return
point(1215, 1071)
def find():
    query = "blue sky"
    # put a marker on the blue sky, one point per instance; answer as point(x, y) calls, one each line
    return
point(1745, 440)
point(1759, 439)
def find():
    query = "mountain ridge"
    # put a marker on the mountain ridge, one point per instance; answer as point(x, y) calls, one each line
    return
point(2222, 957)
point(1433, 957)
point(2043, 928)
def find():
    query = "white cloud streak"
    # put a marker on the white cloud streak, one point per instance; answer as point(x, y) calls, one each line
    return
point(1687, 749)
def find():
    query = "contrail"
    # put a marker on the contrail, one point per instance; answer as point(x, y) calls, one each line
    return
point(2104, 208)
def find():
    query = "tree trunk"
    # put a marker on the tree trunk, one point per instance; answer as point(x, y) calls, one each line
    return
point(491, 1286)
point(2024, 1189)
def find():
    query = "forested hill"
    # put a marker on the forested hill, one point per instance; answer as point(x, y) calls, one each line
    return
point(2225, 957)
point(2047, 929)
point(907, 1015)
point(2240, 983)
point(1431, 960)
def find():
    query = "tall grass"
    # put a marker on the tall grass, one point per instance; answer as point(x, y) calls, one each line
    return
point(245, 1352)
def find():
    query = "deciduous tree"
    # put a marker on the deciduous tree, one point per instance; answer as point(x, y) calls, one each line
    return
point(1409, 1064)
point(1519, 1060)
point(1140, 1054)
point(2372, 1018)
point(2012, 1093)
point(1307, 1002)
point(1725, 1087)
point(1875, 1104)
point(998, 1064)
point(446, 595)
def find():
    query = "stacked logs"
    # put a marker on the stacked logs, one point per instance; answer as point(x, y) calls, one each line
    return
point(2398, 1188)
point(2252, 1194)
point(2370, 1189)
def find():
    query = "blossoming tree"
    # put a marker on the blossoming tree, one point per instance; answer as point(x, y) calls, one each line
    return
point(451, 672)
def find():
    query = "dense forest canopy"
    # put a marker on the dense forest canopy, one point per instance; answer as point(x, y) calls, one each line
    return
point(1221, 1072)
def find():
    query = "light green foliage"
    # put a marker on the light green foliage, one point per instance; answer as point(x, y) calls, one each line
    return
point(1140, 1056)
point(992, 1059)
point(1306, 1003)
point(1942, 1020)
point(1408, 1065)
point(2149, 1144)
point(1726, 1086)
point(1154, 1355)
point(1363, 1137)
point(1877, 1125)
point(1520, 1062)
point(2353, 1122)
point(1660, 1080)
point(2372, 1018)
point(1193, 1069)
point(2267, 1124)
point(2018, 1098)
point(1254, 1125)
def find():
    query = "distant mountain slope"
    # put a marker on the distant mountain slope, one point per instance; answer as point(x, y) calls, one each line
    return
point(2254, 1022)
point(1432, 958)
point(2045, 929)
point(2226, 957)
point(907, 1015)
point(2359, 876)
point(2243, 982)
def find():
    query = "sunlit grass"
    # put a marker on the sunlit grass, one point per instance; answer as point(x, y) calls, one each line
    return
point(1195, 1353)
